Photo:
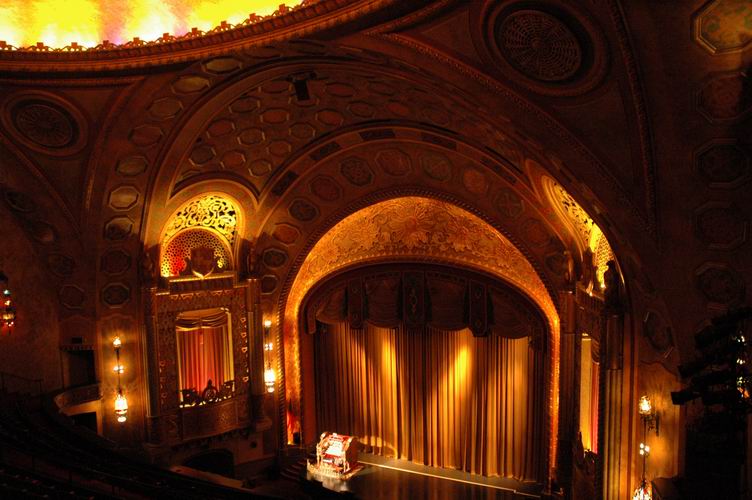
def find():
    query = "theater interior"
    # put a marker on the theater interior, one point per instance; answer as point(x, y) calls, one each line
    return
point(375, 249)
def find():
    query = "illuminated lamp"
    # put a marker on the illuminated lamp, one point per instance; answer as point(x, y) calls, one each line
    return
point(648, 414)
point(267, 334)
point(649, 421)
point(121, 403)
point(7, 310)
point(645, 406)
point(269, 376)
point(269, 379)
point(642, 493)
point(121, 406)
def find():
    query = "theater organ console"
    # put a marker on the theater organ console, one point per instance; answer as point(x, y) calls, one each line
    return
point(336, 456)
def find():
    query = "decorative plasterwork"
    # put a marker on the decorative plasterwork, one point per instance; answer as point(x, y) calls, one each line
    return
point(602, 253)
point(45, 122)
point(208, 212)
point(572, 212)
point(423, 229)
point(177, 252)
point(85, 23)
point(548, 48)
point(309, 17)
point(539, 45)
point(724, 26)
point(588, 234)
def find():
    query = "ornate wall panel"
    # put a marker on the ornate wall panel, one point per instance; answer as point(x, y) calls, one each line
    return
point(723, 26)
point(172, 424)
point(721, 225)
point(723, 164)
point(725, 97)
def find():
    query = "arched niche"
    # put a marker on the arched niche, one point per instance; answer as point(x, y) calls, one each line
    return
point(213, 221)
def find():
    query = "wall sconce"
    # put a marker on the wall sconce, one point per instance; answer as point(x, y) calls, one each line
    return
point(268, 345)
point(121, 407)
point(121, 402)
point(269, 376)
point(650, 419)
point(7, 310)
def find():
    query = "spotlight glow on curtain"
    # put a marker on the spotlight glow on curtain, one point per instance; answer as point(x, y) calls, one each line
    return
point(589, 385)
point(204, 347)
point(439, 398)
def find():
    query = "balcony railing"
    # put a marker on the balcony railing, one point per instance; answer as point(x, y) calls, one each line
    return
point(210, 394)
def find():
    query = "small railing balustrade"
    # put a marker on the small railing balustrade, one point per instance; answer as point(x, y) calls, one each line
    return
point(210, 394)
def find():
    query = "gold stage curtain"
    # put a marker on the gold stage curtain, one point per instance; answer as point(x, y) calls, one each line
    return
point(436, 397)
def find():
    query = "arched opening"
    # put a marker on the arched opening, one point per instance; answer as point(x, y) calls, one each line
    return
point(420, 230)
point(438, 365)
point(200, 238)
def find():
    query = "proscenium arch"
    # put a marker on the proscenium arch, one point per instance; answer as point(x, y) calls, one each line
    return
point(538, 333)
point(436, 232)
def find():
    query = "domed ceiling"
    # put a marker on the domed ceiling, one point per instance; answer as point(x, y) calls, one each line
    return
point(98, 23)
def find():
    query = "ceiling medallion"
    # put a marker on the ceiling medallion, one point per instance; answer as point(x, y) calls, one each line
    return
point(45, 123)
point(539, 45)
point(544, 46)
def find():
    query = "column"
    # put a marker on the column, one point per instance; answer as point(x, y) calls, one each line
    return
point(255, 325)
point(567, 388)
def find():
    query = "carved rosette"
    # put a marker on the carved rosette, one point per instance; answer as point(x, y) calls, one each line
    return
point(539, 45)
point(45, 123)
point(544, 47)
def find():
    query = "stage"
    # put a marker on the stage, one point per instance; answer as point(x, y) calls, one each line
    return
point(382, 477)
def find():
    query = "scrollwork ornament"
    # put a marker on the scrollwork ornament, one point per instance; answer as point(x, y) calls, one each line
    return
point(210, 212)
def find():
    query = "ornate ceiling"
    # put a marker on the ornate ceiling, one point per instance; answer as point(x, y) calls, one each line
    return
point(456, 101)
point(92, 23)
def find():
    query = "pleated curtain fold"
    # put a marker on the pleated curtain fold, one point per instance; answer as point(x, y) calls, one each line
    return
point(202, 356)
point(435, 397)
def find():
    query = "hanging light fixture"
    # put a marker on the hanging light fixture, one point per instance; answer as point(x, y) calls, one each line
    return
point(7, 309)
point(121, 402)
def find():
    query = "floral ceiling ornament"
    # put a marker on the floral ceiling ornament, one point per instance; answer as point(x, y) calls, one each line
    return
point(421, 228)
point(575, 214)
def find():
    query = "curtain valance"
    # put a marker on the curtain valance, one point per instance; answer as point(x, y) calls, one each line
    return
point(449, 300)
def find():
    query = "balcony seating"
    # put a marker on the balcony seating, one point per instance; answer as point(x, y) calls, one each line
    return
point(43, 455)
